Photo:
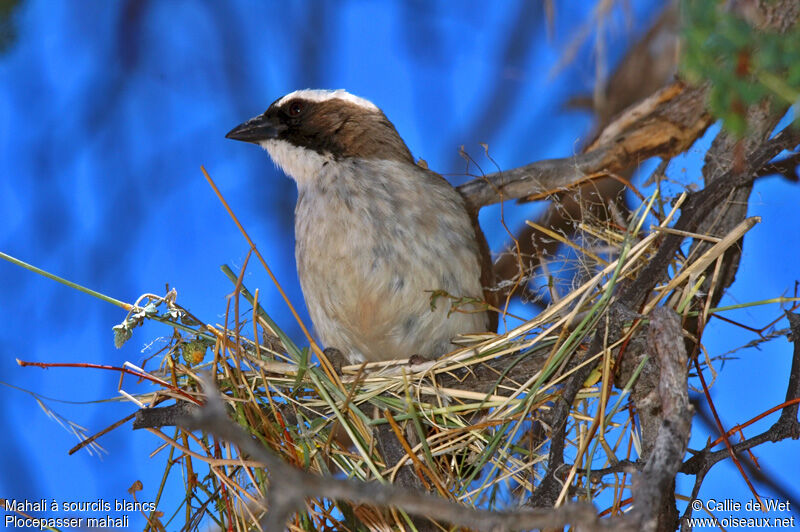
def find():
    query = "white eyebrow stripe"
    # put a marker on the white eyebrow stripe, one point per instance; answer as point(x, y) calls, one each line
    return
point(321, 95)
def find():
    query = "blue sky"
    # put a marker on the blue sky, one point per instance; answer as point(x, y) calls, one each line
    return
point(108, 109)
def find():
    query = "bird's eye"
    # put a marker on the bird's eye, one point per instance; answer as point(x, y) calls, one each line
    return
point(295, 108)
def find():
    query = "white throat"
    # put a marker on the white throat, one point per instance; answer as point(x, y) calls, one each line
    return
point(301, 164)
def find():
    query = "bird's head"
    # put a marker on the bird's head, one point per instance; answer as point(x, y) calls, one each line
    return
point(307, 129)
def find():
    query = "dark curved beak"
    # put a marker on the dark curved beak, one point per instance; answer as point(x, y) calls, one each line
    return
point(257, 129)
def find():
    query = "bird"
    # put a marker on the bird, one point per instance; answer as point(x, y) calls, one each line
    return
point(391, 260)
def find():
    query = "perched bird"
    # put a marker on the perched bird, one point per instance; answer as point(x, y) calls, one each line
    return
point(378, 237)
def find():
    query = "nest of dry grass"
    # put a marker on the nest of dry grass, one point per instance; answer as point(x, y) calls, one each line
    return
point(471, 426)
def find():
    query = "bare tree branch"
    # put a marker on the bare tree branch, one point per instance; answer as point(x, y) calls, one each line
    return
point(654, 487)
point(786, 167)
point(665, 124)
point(789, 414)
